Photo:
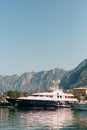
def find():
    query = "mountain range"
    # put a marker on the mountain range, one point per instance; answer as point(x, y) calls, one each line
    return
point(41, 81)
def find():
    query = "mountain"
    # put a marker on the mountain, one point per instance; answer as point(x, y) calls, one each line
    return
point(41, 81)
point(76, 77)
point(30, 82)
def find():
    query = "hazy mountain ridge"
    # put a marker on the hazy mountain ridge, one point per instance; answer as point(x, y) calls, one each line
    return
point(76, 77)
point(31, 81)
point(41, 81)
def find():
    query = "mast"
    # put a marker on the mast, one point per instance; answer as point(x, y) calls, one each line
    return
point(56, 82)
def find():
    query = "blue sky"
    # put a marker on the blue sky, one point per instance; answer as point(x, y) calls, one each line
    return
point(38, 35)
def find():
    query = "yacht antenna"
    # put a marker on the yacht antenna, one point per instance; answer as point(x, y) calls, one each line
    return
point(56, 82)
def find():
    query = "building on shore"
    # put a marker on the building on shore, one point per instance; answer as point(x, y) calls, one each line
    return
point(80, 93)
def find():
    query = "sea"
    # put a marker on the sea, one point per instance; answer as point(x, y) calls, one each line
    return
point(60, 119)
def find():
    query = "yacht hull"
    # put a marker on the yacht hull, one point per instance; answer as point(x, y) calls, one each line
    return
point(32, 104)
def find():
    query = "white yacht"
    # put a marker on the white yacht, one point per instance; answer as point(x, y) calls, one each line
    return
point(56, 94)
point(44, 100)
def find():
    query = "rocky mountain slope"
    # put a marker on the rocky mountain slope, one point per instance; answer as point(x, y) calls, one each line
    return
point(41, 81)
point(30, 82)
point(76, 77)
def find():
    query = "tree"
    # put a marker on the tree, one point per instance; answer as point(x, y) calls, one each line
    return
point(26, 94)
point(12, 94)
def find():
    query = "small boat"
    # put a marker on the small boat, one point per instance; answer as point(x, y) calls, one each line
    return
point(80, 106)
point(31, 102)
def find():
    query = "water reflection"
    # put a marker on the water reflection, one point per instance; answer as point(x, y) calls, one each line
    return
point(46, 119)
point(42, 119)
point(80, 118)
point(61, 119)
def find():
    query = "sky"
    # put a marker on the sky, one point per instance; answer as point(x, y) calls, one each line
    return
point(37, 35)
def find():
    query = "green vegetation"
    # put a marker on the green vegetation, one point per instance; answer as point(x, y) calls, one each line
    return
point(12, 94)
point(16, 94)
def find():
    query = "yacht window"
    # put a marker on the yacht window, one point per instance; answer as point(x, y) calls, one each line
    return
point(69, 96)
point(60, 96)
point(57, 96)
point(51, 96)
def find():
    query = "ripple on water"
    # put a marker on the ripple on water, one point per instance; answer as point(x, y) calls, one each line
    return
point(61, 119)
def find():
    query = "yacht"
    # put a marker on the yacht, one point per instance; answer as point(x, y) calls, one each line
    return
point(44, 100)
point(56, 94)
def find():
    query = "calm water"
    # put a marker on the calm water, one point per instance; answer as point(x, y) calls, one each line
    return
point(61, 119)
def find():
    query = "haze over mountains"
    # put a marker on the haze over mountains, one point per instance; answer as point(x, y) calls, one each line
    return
point(41, 81)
